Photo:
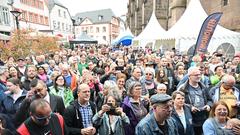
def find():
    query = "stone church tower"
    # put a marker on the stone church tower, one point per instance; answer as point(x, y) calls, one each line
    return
point(169, 11)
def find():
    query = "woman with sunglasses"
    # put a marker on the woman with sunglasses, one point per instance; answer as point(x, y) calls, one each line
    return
point(148, 81)
point(42, 121)
point(59, 88)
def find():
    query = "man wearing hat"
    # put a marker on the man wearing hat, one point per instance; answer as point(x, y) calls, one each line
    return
point(158, 122)
point(21, 65)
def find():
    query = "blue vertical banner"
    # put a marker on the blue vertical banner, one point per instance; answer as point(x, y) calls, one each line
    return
point(206, 32)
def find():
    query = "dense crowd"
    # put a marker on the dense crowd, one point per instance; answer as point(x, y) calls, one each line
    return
point(120, 91)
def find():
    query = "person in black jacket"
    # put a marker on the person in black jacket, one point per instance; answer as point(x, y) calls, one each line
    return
point(182, 114)
point(42, 121)
point(78, 115)
point(39, 91)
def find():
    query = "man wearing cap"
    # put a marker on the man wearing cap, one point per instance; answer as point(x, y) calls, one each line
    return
point(158, 122)
point(21, 65)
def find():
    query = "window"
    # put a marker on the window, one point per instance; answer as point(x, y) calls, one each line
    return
point(59, 13)
point(41, 5)
point(91, 29)
point(30, 17)
point(58, 25)
point(97, 30)
point(36, 18)
point(224, 2)
point(24, 15)
point(104, 37)
point(79, 19)
point(4, 16)
point(64, 14)
point(63, 27)
point(54, 24)
point(66, 27)
point(46, 20)
point(42, 21)
point(104, 29)
point(100, 17)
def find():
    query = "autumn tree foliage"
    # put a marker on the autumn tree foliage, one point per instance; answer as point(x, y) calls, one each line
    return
point(27, 42)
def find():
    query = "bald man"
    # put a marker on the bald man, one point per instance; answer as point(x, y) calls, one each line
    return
point(78, 115)
point(228, 93)
point(197, 96)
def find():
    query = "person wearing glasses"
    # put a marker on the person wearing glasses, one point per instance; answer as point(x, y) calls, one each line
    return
point(158, 122)
point(42, 120)
point(148, 81)
point(197, 96)
point(227, 92)
point(38, 91)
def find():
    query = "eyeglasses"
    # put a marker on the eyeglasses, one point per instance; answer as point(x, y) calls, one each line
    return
point(196, 75)
point(41, 119)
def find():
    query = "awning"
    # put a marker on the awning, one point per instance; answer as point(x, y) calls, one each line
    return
point(4, 37)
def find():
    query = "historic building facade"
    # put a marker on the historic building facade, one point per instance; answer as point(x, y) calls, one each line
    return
point(169, 11)
point(98, 24)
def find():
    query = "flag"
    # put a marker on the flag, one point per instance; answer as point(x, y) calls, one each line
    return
point(206, 32)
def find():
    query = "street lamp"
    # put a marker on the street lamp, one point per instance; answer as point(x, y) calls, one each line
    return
point(16, 14)
point(74, 21)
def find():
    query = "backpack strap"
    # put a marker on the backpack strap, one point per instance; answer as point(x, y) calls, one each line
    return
point(60, 118)
point(22, 130)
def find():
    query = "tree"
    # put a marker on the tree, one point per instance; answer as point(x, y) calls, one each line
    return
point(24, 43)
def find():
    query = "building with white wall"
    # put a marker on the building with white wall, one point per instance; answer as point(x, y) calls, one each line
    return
point(6, 21)
point(98, 24)
point(60, 20)
point(34, 14)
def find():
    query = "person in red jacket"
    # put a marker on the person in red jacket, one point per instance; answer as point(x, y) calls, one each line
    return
point(42, 121)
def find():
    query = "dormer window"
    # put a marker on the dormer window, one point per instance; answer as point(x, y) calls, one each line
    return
point(79, 19)
point(100, 17)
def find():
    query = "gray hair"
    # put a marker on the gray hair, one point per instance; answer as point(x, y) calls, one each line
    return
point(228, 78)
point(112, 88)
point(151, 70)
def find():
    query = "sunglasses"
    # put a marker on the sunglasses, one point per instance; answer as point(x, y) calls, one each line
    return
point(42, 119)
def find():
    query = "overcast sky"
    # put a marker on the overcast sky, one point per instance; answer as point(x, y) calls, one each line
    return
point(119, 7)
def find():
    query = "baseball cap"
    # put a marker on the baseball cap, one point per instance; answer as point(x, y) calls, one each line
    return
point(160, 98)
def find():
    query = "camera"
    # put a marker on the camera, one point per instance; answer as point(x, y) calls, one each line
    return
point(219, 55)
point(119, 68)
point(112, 110)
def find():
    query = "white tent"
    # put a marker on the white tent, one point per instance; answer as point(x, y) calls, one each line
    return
point(152, 31)
point(186, 30)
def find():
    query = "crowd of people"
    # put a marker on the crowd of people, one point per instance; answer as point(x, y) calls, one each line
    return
point(98, 90)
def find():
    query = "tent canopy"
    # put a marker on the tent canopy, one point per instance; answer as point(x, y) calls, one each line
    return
point(189, 25)
point(83, 39)
point(153, 30)
point(124, 38)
